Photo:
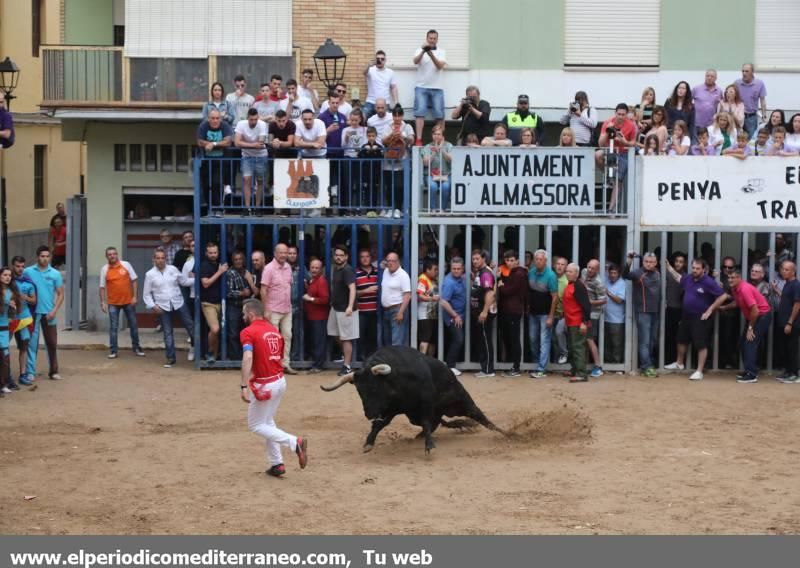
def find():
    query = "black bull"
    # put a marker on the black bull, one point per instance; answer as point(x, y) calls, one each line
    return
point(401, 380)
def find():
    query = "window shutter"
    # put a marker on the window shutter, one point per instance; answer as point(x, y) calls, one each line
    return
point(199, 28)
point(400, 29)
point(251, 27)
point(592, 26)
point(777, 35)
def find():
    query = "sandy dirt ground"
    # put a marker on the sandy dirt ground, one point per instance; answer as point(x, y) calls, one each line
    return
point(126, 447)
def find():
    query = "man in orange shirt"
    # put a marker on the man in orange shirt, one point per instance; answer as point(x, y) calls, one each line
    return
point(118, 289)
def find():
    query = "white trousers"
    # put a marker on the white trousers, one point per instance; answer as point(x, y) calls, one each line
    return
point(261, 421)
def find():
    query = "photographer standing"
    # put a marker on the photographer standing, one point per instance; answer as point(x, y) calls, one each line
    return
point(620, 130)
point(474, 113)
point(581, 118)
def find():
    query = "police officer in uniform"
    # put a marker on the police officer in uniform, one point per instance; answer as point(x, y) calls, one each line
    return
point(522, 118)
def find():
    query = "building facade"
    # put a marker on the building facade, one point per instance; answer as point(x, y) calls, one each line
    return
point(41, 169)
point(130, 76)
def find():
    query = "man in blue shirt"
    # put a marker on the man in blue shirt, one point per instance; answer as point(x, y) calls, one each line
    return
point(542, 303)
point(615, 316)
point(453, 299)
point(24, 328)
point(49, 297)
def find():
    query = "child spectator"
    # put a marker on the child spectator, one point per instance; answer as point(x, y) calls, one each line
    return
point(680, 142)
point(742, 149)
point(371, 154)
point(702, 148)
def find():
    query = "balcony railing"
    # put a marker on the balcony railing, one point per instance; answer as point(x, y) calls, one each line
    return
point(96, 76)
point(82, 74)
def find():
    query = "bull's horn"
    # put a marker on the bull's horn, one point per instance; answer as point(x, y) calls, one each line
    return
point(382, 369)
point(348, 378)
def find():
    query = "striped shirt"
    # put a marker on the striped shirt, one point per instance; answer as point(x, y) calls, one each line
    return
point(364, 279)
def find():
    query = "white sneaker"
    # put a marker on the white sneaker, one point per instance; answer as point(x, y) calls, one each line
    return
point(112, 355)
point(227, 189)
point(677, 367)
point(562, 359)
point(55, 377)
point(385, 213)
point(190, 357)
point(397, 214)
point(455, 371)
point(483, 375)
point(696, 376)
point(5, 390)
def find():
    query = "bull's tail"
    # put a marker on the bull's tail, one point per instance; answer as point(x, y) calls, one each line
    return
point(479, 417)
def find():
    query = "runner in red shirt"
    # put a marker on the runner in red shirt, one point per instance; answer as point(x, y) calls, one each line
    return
point(263, 386)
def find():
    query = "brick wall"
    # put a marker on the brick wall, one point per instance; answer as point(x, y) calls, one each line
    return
point(349, 23)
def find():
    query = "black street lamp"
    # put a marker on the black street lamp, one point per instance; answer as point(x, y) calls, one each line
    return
point(329, 55)
point(9, 77)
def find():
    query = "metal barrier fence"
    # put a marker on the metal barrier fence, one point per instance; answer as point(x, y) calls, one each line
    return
point(593, 231)
point(227, 224)
point(360, 187)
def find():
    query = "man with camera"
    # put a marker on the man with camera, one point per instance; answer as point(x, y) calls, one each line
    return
point(523, 118)
point(581, 118)
point(429, 89)
point(474, 113)
point(381, 84)
point(620, 131)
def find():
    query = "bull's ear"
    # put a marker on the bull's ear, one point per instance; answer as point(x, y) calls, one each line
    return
point(382, 369)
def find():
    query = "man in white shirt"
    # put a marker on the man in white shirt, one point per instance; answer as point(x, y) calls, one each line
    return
point(381, 118)
point(251, 137)
point(429, 90)
point(239, 101)
point(311, 136)
point(395, 296)
point(339, 90)
point(162, 294)
point(381, 83)
point(294, 103)
point(307, 91)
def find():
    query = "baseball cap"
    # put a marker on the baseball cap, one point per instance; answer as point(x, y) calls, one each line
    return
point(522, 99)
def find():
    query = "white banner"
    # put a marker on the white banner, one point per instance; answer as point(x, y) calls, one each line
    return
point(522, 180)
point(720, 191)
point(301, 183)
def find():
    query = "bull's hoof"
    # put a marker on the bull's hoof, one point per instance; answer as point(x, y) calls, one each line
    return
point(367, 448)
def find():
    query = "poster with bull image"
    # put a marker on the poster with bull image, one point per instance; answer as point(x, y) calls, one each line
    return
point(720, 190)
point(522, 180)
point(301, 183)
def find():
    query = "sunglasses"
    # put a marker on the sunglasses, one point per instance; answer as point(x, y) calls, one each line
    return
point(380, 59)
point(728, 267)
point(341, 90)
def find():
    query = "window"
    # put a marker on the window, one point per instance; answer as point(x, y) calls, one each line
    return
point(37, 21)
point(150, 157)
point(166, 158)
point(777, 43)
point(199, 28)
point(183, 80)
point(399, 30)
point(182, 158)
point(136, 158)
point(590, 27)
point(39, 176)
point(119, 36)
point(120, 157)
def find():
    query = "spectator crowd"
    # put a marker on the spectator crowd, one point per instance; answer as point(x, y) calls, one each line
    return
point(291, 118)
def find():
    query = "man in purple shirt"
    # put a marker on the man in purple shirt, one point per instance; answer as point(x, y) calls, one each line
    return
point(335, 122)
point(706, 98)
point(753, 91)
point(699, 293)
point(6, 124)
